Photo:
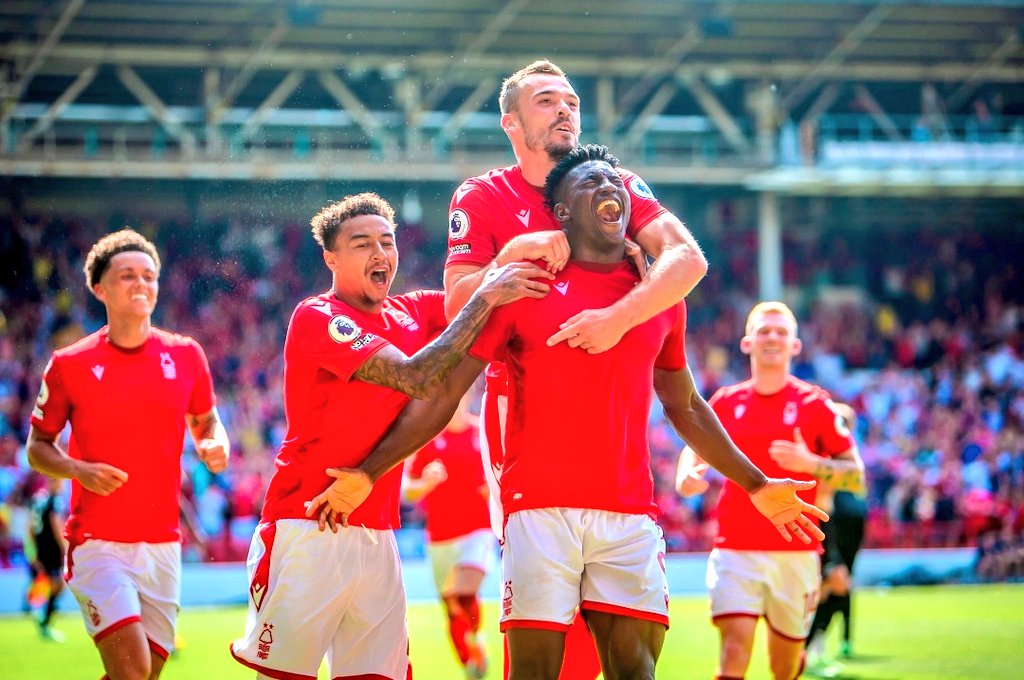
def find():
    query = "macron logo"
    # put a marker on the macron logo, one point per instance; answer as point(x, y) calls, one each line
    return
point(257, 591)
point(524, 216)
point(562, 287)
point(97, 371)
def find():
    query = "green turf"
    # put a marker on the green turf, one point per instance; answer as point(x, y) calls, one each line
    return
point(952, 633)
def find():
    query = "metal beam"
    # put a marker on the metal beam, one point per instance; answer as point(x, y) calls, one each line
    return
point(721, 117)
point(67, 96)
point(655, 105)
point(39, 56)
point(484, 39)
point(825, 99)
point(838, 55)
point(472, 104)
point(999, 56)
point(72, 56)
point(252, 64)
point(347, 99)
point(690, 39)
point(154, 105)
point(277, 97)
point(878, 114)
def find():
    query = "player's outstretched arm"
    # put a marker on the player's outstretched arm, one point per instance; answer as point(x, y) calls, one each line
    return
point(678, 267)
point(698, 425)
point(421, 375)
point(44, 455)
point(211, 439)
point(418, 423)
point(461, 280)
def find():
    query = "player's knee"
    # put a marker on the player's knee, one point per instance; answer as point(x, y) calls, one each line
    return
point(735, 654)
point(785, 669)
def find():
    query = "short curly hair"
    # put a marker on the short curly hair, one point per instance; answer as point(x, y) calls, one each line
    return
point(327, 223)
point(578, 156)
point(508, 100)
point(127, 240)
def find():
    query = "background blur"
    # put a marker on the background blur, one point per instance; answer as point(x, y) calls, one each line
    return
point(863, 161)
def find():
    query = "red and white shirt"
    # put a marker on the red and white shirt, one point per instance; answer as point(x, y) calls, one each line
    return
point(458, 505)
point(127, 408)
point(754, 421)
point(577, 423)
point(333, 419)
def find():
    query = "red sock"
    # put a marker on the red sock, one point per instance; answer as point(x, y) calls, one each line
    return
point(470, 605)
point(458, 626)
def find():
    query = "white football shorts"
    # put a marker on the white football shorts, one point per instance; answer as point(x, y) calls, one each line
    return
point(782, 586)
point(475, 550)
point(555, 559)
point(314, 593)
point(117, 584)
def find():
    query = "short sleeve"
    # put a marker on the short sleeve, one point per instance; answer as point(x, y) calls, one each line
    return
point(832, 436)
point(53, 405)
point(644, 207)
point(337, 343)
point(470, 236)
point(203, 398)
point(673, 351)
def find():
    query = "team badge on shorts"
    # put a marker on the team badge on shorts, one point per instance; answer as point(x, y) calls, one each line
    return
point(343, 329)
point(458, 224)
point(640, 188)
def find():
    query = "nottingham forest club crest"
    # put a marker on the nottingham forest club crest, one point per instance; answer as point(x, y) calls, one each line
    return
point(343, 329)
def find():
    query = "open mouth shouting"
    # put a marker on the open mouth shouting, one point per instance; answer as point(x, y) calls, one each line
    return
point(609, 210)
point(379, 276)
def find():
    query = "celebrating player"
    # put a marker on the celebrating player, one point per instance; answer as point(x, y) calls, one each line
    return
point(592, 544)
point(785, 426)
point(128, 390)
point(501, 216)
point(353, 358)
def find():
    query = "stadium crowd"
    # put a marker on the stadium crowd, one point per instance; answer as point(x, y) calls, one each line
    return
point(921, 331)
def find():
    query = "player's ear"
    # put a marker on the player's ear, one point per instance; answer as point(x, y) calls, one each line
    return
point(329, 259)
point(509, 122)
point(561, 212)
point(746, 344)
point(98, 291)
point(797, 346)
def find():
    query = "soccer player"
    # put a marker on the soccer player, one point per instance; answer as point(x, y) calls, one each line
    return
point(592, 543)
point(784, 425)
point(129, 391)
point(45, 548)
point(843, 536)
point(501, 216)
point(446, 476)
point(353, 358)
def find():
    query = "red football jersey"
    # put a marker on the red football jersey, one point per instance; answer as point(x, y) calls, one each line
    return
point(458, 505)
point(754, 421)
point(577, 423)
point(488, 211)
point(127, 408)
point(333, 419)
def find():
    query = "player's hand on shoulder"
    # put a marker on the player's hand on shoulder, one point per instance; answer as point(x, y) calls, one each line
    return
point(691, 482)
point(213, 454)
point(347, 492)
point(551, 246)
point(593, 330)
point(639, 258)
point(514, 281)
point(777, 500)
point(793, 455)
point(101, 478)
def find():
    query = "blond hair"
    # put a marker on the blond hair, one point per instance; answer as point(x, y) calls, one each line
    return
point(508, 100)
point(770, 307)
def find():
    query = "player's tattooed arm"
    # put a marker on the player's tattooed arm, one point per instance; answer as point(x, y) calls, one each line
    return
point(844, 472)
point(420, 375)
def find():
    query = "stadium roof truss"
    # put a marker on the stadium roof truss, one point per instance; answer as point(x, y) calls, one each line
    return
point(691, 92)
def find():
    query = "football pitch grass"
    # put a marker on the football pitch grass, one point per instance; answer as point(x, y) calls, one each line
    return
point(948, 632)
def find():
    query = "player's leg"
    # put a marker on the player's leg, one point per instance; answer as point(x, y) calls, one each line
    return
point(629, 647)
point(542, 566)
point(125, 653)
point(793, 582)
point(157, 576)
point(581, 661)
point(851, 535)
point(535, 653)
point(736, 643)
point(785, 656)
point(466, 581)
